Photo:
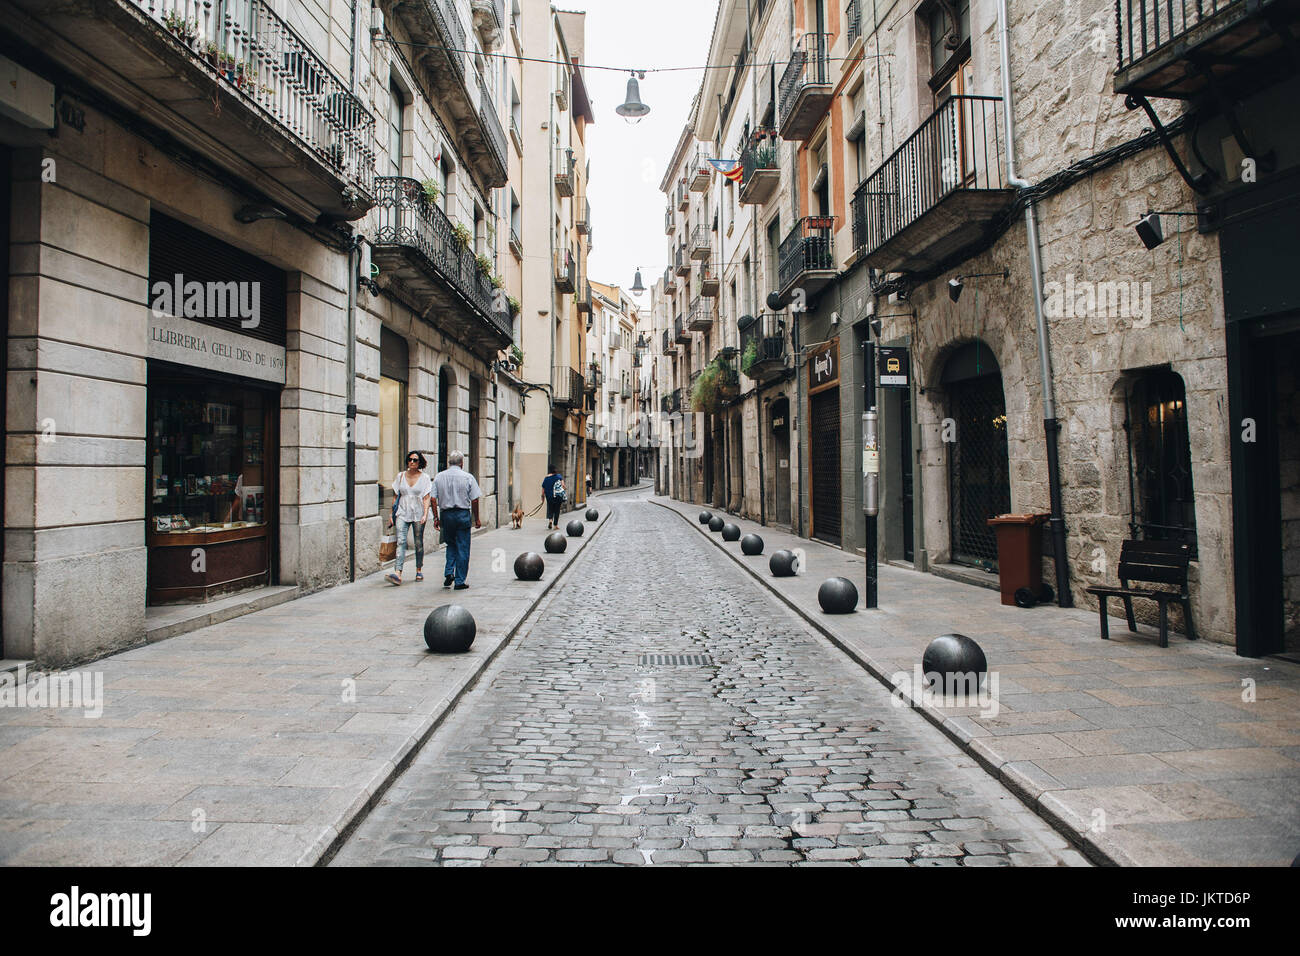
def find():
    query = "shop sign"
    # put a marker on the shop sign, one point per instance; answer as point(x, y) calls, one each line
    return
point(824, 365)
point(186, 342)
point(895, 367)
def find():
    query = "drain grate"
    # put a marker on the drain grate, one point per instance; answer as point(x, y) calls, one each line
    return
point(675, 660)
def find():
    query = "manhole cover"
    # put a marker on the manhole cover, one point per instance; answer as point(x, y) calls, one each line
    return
point(675, 660)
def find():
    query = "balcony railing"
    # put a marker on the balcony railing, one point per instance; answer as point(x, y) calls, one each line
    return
point(956, 159)
point(669, 346)
point(625, 390)
point(493, 133)
point(708, 280)
point(763, 346)
point(699, 172)
point(670, 284)
point(683, 197)
point(681, 262)
point(758, 160)
point(701, 243)
point(583, 297)
point(668, 222)
point(853, 21)
point(583, 225)
point(806, 255)
point(566, 387)
point(1168, 47)
point(805, 91)
point(416, 239)
point(681, 333)
point(565, 164)
point(260, 56)
point(566, 271)
point(594, 377)
point(700, 316)
point(516, 244)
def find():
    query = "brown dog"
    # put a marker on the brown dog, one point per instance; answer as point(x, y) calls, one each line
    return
point(517, 517)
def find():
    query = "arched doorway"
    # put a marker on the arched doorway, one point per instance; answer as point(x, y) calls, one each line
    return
point(979, 484)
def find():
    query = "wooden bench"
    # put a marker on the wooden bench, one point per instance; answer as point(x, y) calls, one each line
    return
point(1150, 562)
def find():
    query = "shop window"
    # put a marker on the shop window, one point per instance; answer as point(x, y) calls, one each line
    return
point(1159, 459)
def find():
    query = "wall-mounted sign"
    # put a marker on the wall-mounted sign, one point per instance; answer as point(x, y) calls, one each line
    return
point(824, 365)
point(894, 366)
point(186, 342)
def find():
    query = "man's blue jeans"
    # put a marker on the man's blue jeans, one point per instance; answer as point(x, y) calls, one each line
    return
point(455, 526)
point(418, 530)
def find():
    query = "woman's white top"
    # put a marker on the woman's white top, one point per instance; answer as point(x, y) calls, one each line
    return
point(410, 498)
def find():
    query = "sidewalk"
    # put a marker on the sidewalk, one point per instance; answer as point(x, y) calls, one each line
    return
point(260, 740)
point(1139, 754)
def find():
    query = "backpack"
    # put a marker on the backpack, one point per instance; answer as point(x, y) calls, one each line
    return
point(558, 492)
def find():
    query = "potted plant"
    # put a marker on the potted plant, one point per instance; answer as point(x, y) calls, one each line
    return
point(498, 282)
point(514, 304)
point(750, 357)
point(516, 355)
point(462, 234)
point(212, 54)
point(765, 157)
point(186, 29)
point(484, 265)
point(431, 190)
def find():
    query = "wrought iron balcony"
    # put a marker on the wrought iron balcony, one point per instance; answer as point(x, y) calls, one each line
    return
point(699, 172)
point(494, 136)
point(231, 81)
point(516, 244)
point(668, 222)
point(669, 347)
point(583, 225)
point(763, 347)
point(708, 280)
point(416, 245)
point(806, 256)
point(935, 197)
point(675, 400)
point(762, 175)
point(681, 262)
point(701, 243)
point(583, 297)
point(681, 334)
point(1178, 48)
point(565, 165)
point(625, 390)
point(489, 20)
point(566, 272)
point(670, 284)
point(683, 197)
point(805, 92)
point(700, 316)
point(566, 387)
point(449, 70)
point(594, 377)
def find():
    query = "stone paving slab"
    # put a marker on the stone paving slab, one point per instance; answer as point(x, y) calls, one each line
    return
point(260, 740)
point(1142, 755)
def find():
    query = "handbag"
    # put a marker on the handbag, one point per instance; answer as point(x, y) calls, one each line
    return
point(387, 548)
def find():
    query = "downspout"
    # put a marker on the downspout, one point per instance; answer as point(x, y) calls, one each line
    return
point(1051, 426)
point(350, 483)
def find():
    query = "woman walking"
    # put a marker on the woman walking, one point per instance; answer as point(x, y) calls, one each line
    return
point(413, 488)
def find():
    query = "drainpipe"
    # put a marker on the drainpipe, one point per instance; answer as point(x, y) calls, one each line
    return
point(350, 466)
point(1051, 426)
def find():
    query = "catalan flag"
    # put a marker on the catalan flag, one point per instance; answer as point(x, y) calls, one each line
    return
point(730, 168)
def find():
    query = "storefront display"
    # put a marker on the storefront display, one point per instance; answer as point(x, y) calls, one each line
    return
point(208, 508)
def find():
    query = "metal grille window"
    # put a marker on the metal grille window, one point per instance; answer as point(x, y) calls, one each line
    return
point(1159, 459)
point(979, 485)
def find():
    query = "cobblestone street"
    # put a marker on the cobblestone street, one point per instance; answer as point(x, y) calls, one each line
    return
point(756, 743)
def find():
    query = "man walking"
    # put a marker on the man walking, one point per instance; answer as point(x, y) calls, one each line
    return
point(455, 502)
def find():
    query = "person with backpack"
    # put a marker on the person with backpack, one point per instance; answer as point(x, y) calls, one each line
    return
point(554, 494)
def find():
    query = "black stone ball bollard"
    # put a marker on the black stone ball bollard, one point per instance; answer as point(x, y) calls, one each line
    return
point(838, 596)
point(954, 656)
point(783, 564)
point(716, 523)
point(751, 544)
point(730, 532)
point(705, 517)
point(529, 566)
point(556, 542)
point(449, 629)
point(574, 528)
point(592, 514)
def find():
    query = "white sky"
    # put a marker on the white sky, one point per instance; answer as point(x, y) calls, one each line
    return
point(627, 162)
